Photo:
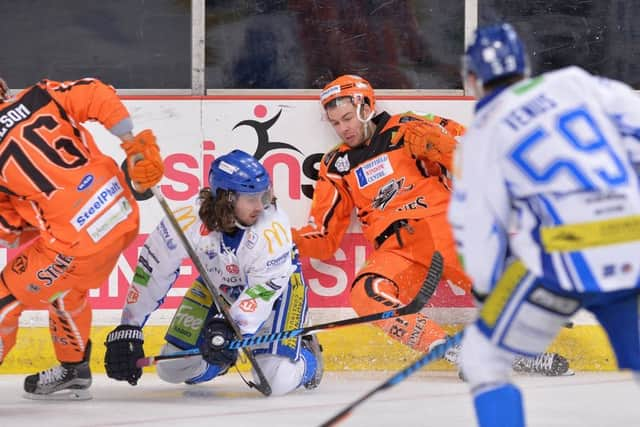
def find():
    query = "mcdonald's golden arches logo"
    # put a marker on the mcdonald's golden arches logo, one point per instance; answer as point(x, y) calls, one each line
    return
point(276, 233)
point(185, 217)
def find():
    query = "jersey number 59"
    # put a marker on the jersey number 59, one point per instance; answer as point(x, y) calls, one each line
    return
point(593, 158)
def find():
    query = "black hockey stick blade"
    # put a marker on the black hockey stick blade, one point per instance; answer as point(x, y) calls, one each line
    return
point(426, 292)
point(263, 385)
point(434, 354)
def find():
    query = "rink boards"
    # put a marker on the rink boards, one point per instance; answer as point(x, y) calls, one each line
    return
point(353, 348)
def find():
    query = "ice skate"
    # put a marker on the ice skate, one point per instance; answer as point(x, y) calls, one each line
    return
point(311, 343)
point(548, 364)
point(67, 381)
point(452, 354)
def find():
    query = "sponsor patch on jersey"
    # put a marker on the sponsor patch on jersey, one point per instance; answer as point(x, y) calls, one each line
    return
point(53, 271)
point(97, 204)
point(373, 170)
point(85, 183)
point(142, 261)
point(112, 217)
point(232, 292)
point(279, 260)
point(248, 305)
point(133, 295)
point(200, 294)
point(232, 269)
point(260, 292)
point(168, 240)
point(187, 322)
point(141, 276)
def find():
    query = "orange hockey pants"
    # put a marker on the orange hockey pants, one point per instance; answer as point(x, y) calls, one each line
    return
point(41, 278)
point(394, 273)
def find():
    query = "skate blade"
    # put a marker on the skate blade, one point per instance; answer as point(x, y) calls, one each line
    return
point(569, 373)
point(62, 395)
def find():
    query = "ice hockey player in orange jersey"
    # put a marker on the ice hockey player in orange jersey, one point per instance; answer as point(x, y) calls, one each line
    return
point(394, 171)
point(72, 205)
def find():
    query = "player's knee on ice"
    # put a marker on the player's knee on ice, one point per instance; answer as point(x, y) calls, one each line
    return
point(283, 374)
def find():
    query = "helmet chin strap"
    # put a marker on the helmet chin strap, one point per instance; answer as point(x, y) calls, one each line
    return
point(241, 226)
point(365, 122)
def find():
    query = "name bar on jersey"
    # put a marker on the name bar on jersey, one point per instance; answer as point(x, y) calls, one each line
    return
point(12, 117)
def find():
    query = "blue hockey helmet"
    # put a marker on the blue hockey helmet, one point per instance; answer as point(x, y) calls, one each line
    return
point(496, 52)
point(239, 172)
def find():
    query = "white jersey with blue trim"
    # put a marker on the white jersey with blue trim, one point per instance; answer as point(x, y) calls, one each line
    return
point(249, 268)
point(547, 172)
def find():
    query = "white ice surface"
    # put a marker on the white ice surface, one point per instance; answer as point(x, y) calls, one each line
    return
point(425, 399)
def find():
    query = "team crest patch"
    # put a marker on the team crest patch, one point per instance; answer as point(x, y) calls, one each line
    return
point(342, 163)
point(373, 170)
point(387, 192)
point(252, 238)
point(19, 265)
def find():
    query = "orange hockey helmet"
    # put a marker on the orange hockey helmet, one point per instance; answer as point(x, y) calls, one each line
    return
point(352, 86)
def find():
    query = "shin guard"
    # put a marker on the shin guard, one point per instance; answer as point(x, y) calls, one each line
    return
point(70, 326)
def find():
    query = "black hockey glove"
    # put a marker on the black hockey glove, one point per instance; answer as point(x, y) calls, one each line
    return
point(124, 348)
point(216, 335)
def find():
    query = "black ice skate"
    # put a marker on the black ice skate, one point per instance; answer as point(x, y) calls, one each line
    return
point(311, 343)
point(548, 364)
point(67, 381)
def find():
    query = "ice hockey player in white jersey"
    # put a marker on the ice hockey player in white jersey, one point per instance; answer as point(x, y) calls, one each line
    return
point(244, 242)
point(557, 157)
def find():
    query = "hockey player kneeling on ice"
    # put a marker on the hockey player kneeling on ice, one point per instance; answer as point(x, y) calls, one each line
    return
point(244, 242)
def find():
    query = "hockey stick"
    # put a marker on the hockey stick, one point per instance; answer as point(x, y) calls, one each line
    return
point(434, 354)
point(426, 292)
point(263, 387)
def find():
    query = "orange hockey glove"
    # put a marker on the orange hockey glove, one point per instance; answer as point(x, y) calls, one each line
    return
point(143, 160)
point(427, 140)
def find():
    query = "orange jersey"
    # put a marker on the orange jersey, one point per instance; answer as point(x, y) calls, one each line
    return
point(380, 180)
point(53, 177)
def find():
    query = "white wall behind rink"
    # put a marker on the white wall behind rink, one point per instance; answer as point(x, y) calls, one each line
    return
point(192, 132)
